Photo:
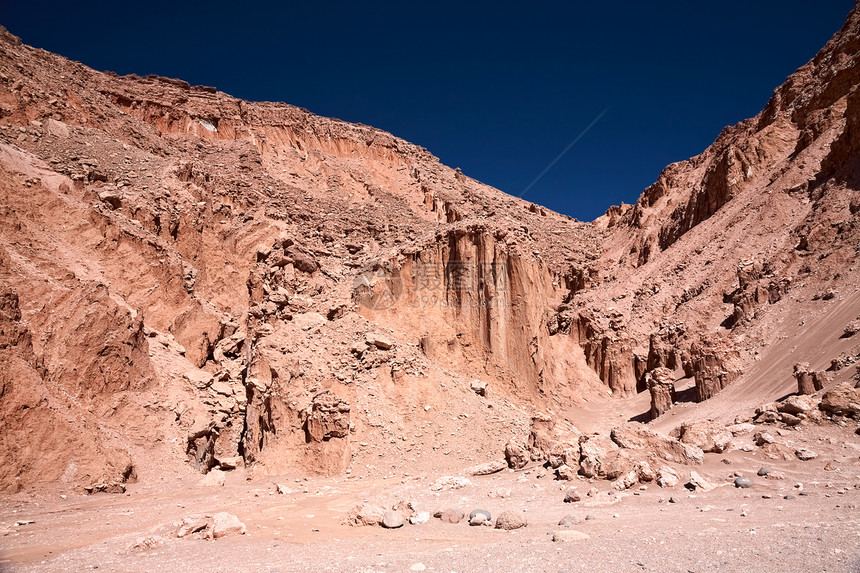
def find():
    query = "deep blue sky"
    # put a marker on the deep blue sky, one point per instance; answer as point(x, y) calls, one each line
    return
point(498, 89)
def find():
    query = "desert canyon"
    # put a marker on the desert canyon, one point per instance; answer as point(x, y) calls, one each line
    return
point(238, 336)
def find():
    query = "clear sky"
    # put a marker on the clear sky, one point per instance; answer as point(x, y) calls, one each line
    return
point(498, 89)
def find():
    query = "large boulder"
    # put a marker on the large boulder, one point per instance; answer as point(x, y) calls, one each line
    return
point(638, 437)
point(707, 435)
point(843, 400)
point(365, 514)
point(553, 440)
point(595, 452)
point(516, 456)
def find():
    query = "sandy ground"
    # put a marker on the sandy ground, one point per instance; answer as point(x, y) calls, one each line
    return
point(815, 528)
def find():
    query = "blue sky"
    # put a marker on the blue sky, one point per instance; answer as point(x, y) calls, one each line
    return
point(498, 89)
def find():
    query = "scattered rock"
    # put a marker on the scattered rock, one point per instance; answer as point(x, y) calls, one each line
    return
point(568, 520)
point(762, 438)
point(763, 471)
point(572, 496)
point(510, 520)
point(449, 482)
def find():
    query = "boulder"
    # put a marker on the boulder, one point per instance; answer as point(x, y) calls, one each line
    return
point(843, 400)
point(380, 342)
point(111, 198)
point(762, 438)
point(552, 440)
point(229, 463)
point(805, 454)
point(798, 404)
point(392, 519)
point(568, 520)
point(743, 482)
point(638, 437)
point(487, 468)
point(667, 477)
point(516, 456)
point(192, 524)
point(480, 517)
point(419, 517)
point(595, 453)
point(225, 524)
point(698, 483)
point(509, 520)
point(365, 514)
point(707, 435)
point(452, 516)
point(625, 481)
point(565, 472)
point(571, 496)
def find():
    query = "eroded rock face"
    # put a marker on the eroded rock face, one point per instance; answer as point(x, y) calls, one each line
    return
point(327, 418)
point(661, 386)
point(716, 364)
